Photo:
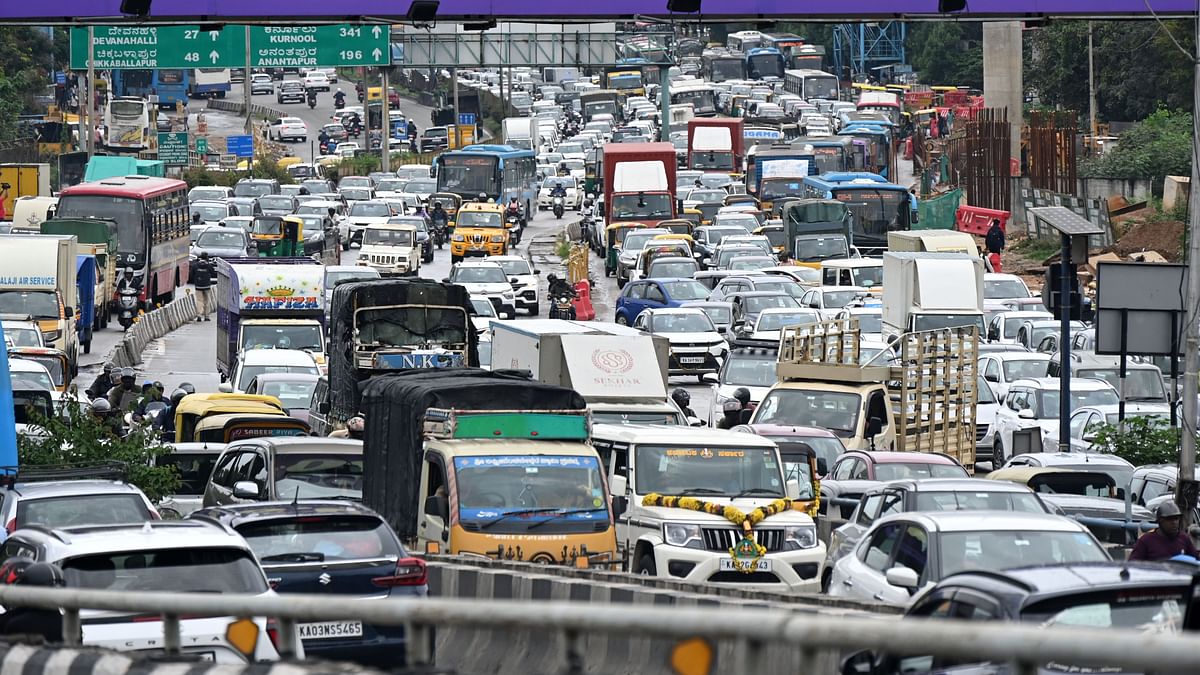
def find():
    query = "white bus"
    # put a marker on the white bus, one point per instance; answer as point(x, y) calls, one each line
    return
point(127, 123)
point(745, 39)
point(209, 83)
point(811, 84)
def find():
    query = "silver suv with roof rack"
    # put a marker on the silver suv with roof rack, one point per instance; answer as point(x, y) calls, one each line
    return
point(72, 495)
point(167, 556)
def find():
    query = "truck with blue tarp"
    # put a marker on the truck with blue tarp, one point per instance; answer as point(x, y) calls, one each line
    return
point(269, 303)
point(85, 308)
point(380, 326)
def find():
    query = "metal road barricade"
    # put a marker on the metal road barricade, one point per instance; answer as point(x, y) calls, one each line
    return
point(753, 631)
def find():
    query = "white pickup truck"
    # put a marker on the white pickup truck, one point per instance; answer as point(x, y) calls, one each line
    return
point(391, 249)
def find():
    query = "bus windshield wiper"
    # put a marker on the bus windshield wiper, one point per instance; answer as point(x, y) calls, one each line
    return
point(510, 514)
point(563, 513)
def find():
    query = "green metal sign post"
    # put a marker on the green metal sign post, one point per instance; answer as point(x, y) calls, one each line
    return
point(173, 148)
point(120, 47)
point(202, 146)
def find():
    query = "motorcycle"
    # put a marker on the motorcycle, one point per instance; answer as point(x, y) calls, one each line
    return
point(312, 101)
point(560, 205)
point(339, 102)
point(327, 147)
point(439, 234)
point(562, 307)
point(127, 305)
point(512, 222)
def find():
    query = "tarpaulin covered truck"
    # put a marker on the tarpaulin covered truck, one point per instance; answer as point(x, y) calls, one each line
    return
point(97, 238)
point(37, 280)
point(274, 303)
point(384, 325)
point(466, 461)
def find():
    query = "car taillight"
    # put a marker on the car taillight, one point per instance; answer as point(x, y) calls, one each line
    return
point(11, 526)
point(273, 632)
point(409, 572)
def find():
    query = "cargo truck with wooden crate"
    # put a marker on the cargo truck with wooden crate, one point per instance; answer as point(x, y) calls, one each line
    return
point(928, 291)
point(917, 396)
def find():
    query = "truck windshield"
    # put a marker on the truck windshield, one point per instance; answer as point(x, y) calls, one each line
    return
point(277, 336)
point(525, 490)
point(821, 248)
point(712, 159)
point(923, 322)
point(625, 207)
point(716, 471)
point(37, 304)
point(836, 411)
point(411, 326)
point(619, 417)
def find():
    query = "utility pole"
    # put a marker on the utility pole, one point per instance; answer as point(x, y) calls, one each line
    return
point(89, 104)
point(454, 124)
point(246, 86)
point(386, 120)
point(1091, 88)
point(1185, 491)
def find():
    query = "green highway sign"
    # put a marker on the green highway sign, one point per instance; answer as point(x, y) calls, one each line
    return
point(118, 47)
point(202, 145)
point(336, 45)
point(173, 147)
point(159, 47)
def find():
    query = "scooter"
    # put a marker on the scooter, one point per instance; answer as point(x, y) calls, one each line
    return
point(312, 102)
point(339, 103)
point(513, 223)
point(439, 234)
point(559, 207)
point(127, 305)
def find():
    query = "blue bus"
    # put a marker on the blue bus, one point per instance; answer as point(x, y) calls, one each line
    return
point(881, 152)
point(877, 206)
point(169, 84)
point(764, 63)
point(500, 172)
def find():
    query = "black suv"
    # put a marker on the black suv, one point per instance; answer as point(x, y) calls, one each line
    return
point(434, 138)
point(291, 90)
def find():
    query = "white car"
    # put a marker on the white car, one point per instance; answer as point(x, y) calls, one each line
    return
point(289, 129)
point(1085, 420)
point(905, 553)
point(1003, 286)
point(392, 249)
point(255, 362)
point(347, 149)
point(870, 321)
point(769, 324)
point(1033, 404)
point(751, 368)
point(1001, 369)
point(696, 346)
point(485, 313)
point(572, 200)
point(1003, 326)
point(211, 212)
point(829, 299)
point(23, 334)
point(316, 79)
point(486, 279)
point(525, 286)
point(360, 216)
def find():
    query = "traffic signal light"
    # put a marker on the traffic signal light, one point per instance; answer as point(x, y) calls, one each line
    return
point(1052, 292)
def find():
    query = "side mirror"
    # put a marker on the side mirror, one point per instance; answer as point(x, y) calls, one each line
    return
point(537, 273)
point(620, 505)
point(323, 407)
point(710, 378)
point(859, 663)
point(618, 486)
point(446, 280)
point(903, 577)
point(513, 281)
point(1025, 414)
point(246, 489)
point(438, 505)
point(822, 466)
point(225, 387)
point(793, 489)
point(992, 377)
point(68, 311)
point(1089, 438)
point(874, 427)
point(1120, 494)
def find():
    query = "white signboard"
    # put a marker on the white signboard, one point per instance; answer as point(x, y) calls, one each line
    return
point(648, 176)
point(613, 366)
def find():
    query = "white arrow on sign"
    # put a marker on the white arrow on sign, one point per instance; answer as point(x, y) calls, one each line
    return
point(214, 34)
point(376, 53)
point(375, 32)
point(214, 56)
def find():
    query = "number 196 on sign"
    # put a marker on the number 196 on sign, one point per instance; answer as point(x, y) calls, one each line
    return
point(351, 54)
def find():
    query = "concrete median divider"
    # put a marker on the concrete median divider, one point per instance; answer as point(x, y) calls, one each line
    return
point(151, 326)
point(507, 651)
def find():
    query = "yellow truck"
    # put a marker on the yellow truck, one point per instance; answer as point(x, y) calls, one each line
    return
point(478, 231)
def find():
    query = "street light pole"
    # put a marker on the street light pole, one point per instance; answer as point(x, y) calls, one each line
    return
point(1185, 491)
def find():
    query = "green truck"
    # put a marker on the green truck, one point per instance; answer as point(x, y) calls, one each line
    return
point(97, 238)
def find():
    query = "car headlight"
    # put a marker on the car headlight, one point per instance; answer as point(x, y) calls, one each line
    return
point(458, 237)
point(799, 537)
point(685, 536)
point(497, 238)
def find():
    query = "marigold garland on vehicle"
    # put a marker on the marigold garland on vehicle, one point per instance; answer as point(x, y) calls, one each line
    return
point(727, 511)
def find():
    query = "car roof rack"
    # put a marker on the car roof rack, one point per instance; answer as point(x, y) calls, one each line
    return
point(109, 470)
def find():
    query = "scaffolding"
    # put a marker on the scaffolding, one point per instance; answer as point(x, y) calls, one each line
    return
point(859, 47)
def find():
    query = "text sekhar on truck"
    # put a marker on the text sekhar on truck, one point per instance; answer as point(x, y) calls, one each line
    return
point(465, 461)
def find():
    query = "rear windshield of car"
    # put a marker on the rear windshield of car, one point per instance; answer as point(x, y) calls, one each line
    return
point(179, 570)
point(317, 538)
point(319, 476)
point(194, 470)
point(69, 510)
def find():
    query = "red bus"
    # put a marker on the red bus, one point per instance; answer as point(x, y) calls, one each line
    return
point(152, 228)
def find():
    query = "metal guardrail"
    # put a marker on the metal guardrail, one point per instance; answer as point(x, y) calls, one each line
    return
point(750, 630)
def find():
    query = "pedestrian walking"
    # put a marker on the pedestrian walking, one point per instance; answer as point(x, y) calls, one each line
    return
point(994, 241)
point(1167, 541)
point(202, 279)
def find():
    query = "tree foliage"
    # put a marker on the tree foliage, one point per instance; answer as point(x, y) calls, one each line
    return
point(25, 55)
point(1139, 440)
point(1137, 66)
point(947, 52)
point(1160, 145)
point(77, 437)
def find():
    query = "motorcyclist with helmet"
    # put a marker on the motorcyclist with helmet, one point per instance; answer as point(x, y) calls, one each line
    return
point(683, 399)
point(735, 410)
point(558, 190)
point(102, 412)
point(482, 198)
point(103, 382)
point(124, 397)
point(339, 99)
point(558, 286)
point(17, 620)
